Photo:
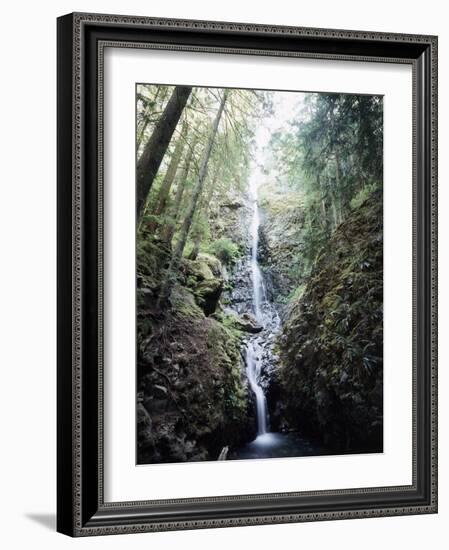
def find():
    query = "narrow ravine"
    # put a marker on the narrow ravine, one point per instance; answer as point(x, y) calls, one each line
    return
point(259, 273)
point(259, 352)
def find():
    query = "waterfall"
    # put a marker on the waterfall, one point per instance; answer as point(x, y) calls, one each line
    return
point(253, 372)
point(260, 358)
point(258, 286)
point(259, 292)
point(253, 350)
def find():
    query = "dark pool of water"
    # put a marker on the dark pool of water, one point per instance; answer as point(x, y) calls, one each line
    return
point(276, 445)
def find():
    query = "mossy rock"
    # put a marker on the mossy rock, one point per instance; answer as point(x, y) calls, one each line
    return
point(207, 294)
point(198, 269)
point(193, 387)
point(184, 304)
point(246, 322)
point(151, 257)
point(212, 262)
point(332, 340)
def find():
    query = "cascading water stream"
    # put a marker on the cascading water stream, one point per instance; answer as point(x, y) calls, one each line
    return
point(259, 354)
point(253, 371)
point(253, 350)
point(260, 357)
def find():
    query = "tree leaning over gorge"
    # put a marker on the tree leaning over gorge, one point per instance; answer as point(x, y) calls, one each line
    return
point(154, 151)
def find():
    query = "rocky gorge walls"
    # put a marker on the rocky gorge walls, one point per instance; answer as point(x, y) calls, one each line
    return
point(330, 378)
point(281, 240)
point(319, 362)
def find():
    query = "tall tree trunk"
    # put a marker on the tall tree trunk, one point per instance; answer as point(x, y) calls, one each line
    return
point(323, 211)
point(333, 207)
point(169, 177)
point(203, 210)
point(185, 228)
point(338, 181)
point(154, 150)
point(173, 215)
point(324, 220)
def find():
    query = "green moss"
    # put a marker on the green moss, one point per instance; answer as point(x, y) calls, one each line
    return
point(296, 293)
point(225, 249)
point(363, 195)
point(212, 262)
point(331, 346)
point(184, 305)
point(224, 345)
point(282, 237)
point(198, 269)
point(151, 256)
point(231, 324)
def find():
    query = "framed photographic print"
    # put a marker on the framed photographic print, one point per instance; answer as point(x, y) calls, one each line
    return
point(246, 274)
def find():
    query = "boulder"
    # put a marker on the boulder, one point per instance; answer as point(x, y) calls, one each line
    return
point(198, 269)
point(212, 262)
point(207, 294)
point(248, 323)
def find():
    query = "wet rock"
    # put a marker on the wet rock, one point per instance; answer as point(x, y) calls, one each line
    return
point(232, 205)
point(240, 294)
point(248, 323)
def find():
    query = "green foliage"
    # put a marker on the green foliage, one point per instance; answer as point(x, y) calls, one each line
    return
point(332, 342)
point(333, 155)
point(296, 293)
point(212, 262)
point(183, 304)
point(225, 250)
point(363, 195)
point(150, 257)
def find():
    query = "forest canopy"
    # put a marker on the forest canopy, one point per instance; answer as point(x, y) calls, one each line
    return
point(325, 147)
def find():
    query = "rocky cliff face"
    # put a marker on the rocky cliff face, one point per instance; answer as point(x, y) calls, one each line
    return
point(193, 396)
point(227, 219)
point(193, 393)
point(281, 240)
point(330, 376)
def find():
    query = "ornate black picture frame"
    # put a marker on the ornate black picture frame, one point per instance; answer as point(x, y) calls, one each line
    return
point(81, 509)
